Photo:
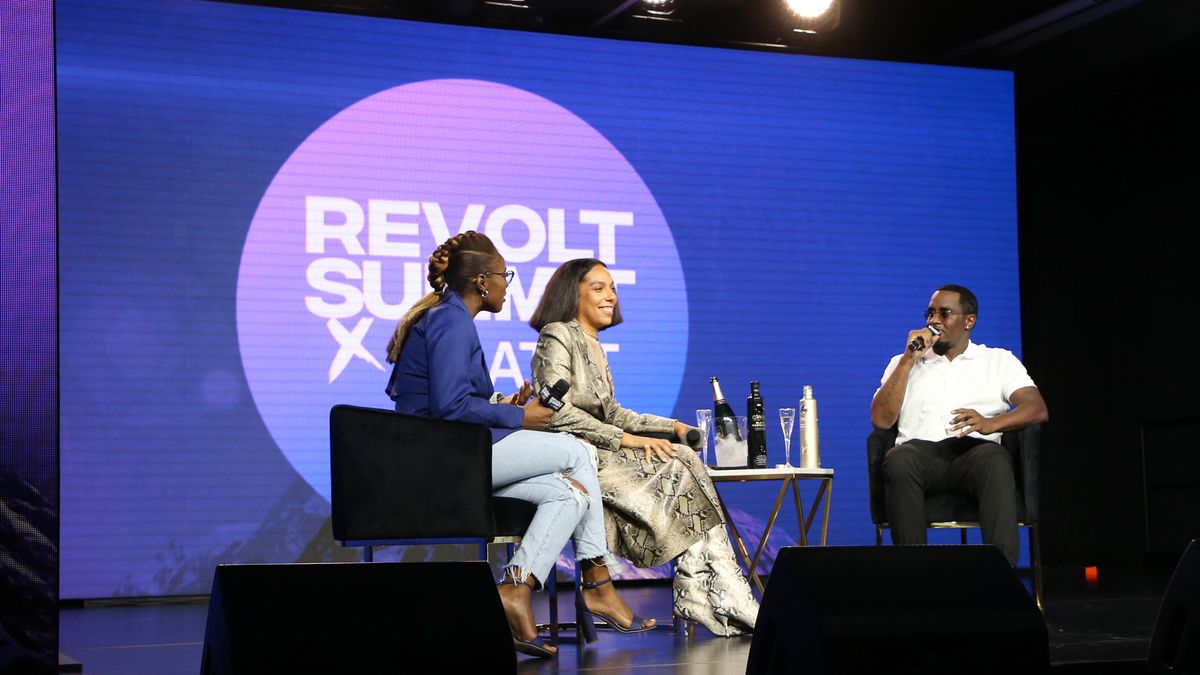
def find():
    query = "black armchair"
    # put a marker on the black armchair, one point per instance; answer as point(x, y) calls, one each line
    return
point(400, 479)
point(947, 510)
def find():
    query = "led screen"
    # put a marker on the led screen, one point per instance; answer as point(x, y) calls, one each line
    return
point(28, 384)
point(249, 196)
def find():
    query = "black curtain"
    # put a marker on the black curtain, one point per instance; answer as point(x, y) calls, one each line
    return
point(1108, 185)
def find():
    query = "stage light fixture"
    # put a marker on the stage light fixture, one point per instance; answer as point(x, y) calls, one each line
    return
point(806, 18)
point(659, 7)
point(808, 9)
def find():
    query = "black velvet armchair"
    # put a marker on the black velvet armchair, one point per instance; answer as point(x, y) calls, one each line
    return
point(946, 510)
point(400, 479)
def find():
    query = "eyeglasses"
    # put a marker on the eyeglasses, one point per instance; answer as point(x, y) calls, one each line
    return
point(943, 312)
point(507, 274)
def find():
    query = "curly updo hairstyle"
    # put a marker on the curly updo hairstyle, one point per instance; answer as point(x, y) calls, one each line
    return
point(453, 265)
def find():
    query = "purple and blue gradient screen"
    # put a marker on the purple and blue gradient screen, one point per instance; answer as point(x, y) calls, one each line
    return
point(28, 378)
point(248, 198)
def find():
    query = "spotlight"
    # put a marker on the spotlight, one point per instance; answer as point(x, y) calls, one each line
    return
point(806, 9)
point(810, 17)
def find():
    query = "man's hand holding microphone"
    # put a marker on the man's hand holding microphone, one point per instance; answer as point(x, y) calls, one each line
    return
point(921, 340)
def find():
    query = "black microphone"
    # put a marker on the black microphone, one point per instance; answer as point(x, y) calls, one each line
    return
point(918, 343)
point(692, 438)
point(552, 397)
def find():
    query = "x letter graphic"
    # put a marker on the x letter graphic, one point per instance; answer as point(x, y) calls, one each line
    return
point(350, 345)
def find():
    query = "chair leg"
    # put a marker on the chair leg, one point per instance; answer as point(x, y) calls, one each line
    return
point(551, 585)
point(368, 554)
point(878, 535)
point(1035, 559)
point(962, 532)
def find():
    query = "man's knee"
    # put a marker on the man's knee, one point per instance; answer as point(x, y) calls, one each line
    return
point(992, 457)
point(899, 462)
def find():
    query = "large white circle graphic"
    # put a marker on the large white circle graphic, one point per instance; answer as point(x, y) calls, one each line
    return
point(338, 248)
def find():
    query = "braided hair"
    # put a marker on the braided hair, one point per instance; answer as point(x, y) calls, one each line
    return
point(453, 265)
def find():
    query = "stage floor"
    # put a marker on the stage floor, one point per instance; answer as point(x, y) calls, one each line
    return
point(1107, 625)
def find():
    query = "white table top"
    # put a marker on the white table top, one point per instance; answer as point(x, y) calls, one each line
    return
point(774, 473)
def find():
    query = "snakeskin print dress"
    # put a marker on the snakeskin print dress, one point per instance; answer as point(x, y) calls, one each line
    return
point(654, 511)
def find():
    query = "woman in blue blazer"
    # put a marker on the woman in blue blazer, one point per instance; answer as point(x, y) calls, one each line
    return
point(440, 373)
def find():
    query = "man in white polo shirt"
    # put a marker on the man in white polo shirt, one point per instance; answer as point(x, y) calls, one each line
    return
point(952, 399)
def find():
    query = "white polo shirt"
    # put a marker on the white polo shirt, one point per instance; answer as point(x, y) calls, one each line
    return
point(982, 378)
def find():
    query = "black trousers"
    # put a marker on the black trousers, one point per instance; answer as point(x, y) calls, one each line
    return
point(968, 466)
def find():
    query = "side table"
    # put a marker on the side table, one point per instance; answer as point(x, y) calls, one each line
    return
point(790, 477)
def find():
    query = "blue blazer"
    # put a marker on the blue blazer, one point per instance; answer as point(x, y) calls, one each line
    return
point(441, 372)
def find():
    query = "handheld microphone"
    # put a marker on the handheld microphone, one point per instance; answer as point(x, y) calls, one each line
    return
point(552, 396)
point(692, 438)
point(918, 344)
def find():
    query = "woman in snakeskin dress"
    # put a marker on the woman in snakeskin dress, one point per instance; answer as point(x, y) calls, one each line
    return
point(659, 504)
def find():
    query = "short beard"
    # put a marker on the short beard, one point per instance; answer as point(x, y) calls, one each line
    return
point(941, 347)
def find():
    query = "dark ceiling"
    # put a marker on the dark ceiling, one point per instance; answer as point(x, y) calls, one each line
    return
point(988, 33)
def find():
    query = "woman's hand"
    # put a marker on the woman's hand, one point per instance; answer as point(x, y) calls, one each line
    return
point(522, 396)
point(537, 416)
point(681, 431)
point(654, 447)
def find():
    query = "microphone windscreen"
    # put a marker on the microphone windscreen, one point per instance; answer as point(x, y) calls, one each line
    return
point(560, 388)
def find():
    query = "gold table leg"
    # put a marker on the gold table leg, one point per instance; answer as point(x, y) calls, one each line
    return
point(805, 520)
point(799, 512)
point(827, 487)
point(762, 543)
point(741, 548)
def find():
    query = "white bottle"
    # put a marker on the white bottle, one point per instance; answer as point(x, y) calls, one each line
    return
point(810, 440)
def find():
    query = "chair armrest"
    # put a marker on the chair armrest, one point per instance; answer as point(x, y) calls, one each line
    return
point(396, 476)
point(1025, 444)
point(878, 443)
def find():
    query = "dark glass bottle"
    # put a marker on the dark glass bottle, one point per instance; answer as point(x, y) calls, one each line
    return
point(756, 422)
point(724, 423)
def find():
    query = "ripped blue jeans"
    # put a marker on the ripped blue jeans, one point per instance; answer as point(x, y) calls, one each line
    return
point(533, 466)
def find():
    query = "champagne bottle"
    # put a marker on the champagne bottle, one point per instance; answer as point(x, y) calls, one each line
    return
point(756, 418)
point(724, 422)
point(810, 440)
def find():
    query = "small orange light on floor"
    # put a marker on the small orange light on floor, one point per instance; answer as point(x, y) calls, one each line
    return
point(1091, 574)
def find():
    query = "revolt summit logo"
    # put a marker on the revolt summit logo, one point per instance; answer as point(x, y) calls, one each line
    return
point(339, 245)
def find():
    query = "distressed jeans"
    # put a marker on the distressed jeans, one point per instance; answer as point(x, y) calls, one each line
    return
point(533, 466)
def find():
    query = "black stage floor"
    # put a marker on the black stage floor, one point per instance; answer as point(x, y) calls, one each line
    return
point(1103, 628)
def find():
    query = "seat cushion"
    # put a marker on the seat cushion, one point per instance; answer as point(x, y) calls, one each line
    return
point(512, 516)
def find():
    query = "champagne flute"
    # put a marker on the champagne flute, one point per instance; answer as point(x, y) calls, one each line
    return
point(787, 420)
point(704, 422)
